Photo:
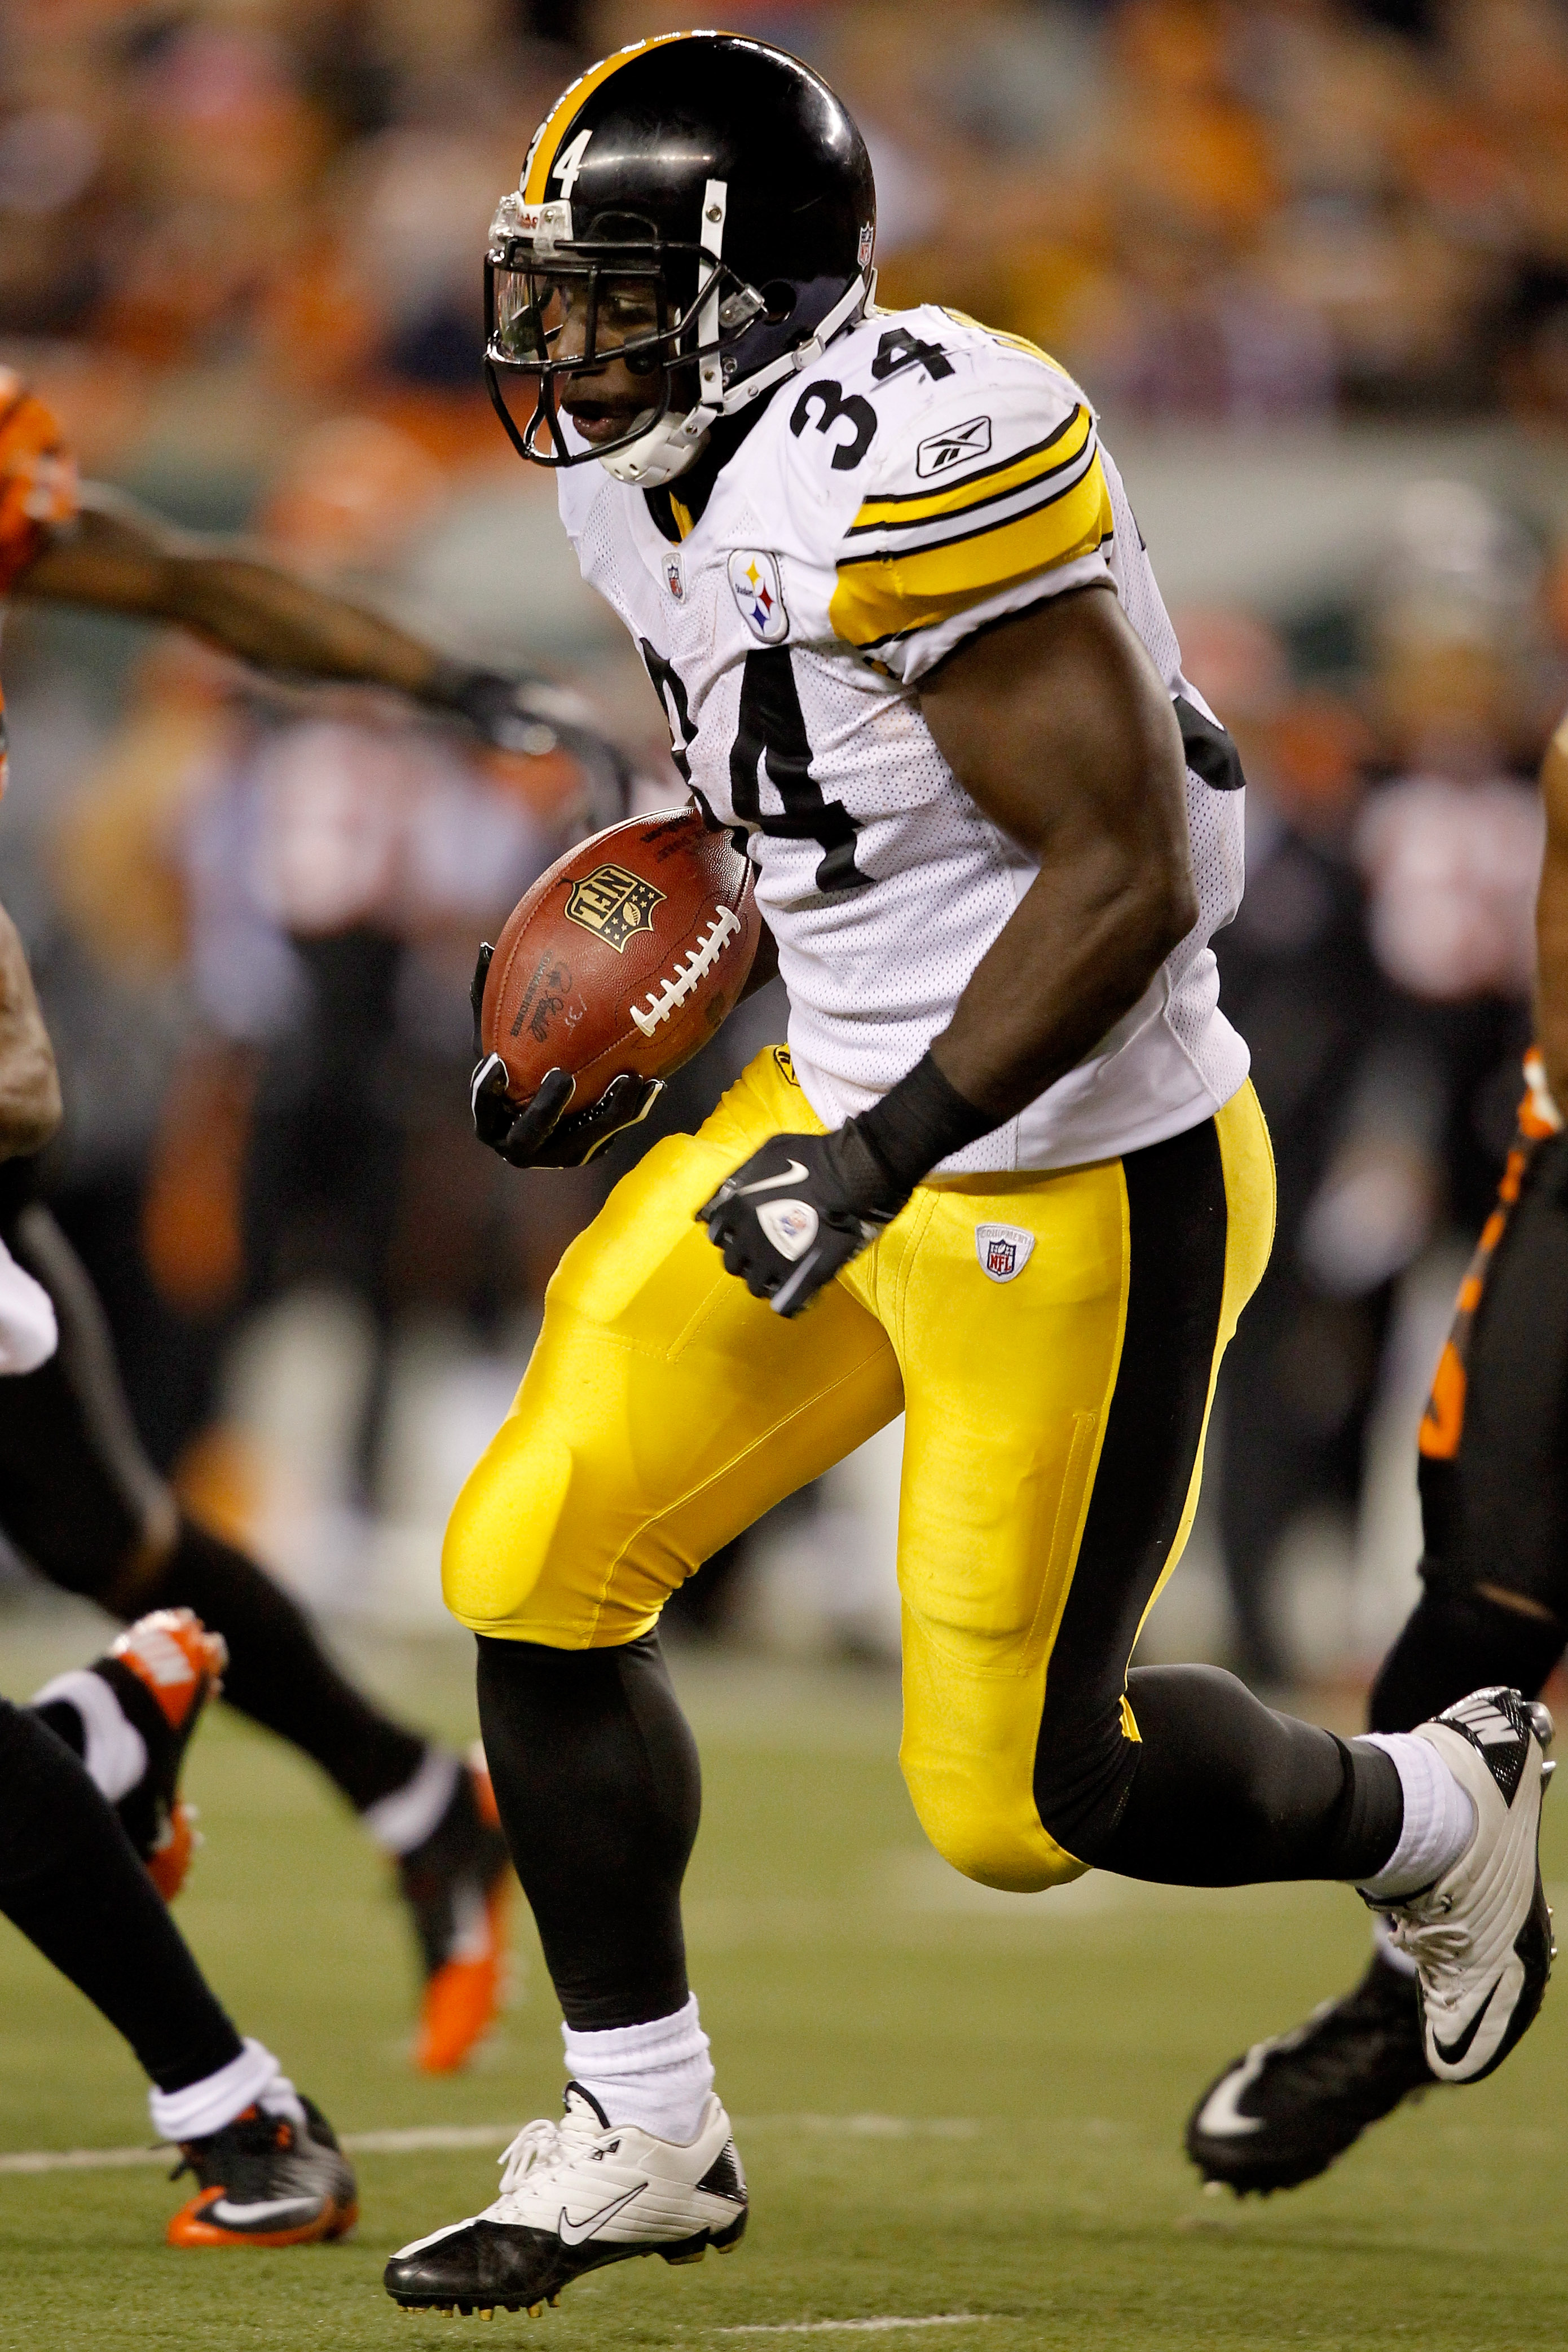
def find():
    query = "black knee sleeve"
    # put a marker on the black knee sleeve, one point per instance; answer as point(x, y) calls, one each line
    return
point(1221, 1791)
point(597, 1780)
point(1457, 1641)
point(70, 1880)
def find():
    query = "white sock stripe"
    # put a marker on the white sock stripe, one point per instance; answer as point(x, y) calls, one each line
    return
point(1439, 1817)
point(115, 1752)
point(405, 1819)
point(205, 2107)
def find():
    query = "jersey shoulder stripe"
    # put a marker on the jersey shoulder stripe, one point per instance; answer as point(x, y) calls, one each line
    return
point(899, 509)
point(881, 597)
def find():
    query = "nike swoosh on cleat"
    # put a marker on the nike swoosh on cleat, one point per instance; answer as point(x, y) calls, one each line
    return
point(242, 2216)
point(1451, 2052)
point(793, 1174)
point(576, 2233)
point(1222, 2117)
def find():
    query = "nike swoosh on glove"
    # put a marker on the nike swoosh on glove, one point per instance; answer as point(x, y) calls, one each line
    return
point(800, 1209)
point(545, 1132)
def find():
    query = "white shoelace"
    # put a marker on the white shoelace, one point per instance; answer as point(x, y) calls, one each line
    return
point(537, 2146)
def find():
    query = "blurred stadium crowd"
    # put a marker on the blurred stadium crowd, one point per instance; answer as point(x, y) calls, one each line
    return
point(239, 246)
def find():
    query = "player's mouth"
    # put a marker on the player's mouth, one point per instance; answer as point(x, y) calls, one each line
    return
point(600, 420)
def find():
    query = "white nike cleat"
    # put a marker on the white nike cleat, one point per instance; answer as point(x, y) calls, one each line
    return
point(574, 2196)
point(1480, 1935)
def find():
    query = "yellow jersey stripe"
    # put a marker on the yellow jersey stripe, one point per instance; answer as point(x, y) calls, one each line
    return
point(881, 597)
point(547, 139)
point(1059, 449)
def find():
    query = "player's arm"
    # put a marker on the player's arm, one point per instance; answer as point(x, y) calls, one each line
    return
point(119, 557)
point(30, 1084)
point(1058, 728)
point(1552, 922)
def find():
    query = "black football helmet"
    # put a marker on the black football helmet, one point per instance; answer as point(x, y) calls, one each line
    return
point(700, 207)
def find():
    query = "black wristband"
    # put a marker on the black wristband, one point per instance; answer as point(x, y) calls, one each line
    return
point(920, 1121)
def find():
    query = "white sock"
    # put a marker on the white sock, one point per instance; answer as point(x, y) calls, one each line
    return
point(253, 2079)
point(1439, 1818)
point(656, 2074)
point(405, 1819)
point(1387, 1950)
point(113, 1750)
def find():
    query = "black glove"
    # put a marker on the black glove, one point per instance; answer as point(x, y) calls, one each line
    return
point(803, 1205)
point(540, 1133)
point(798, 1210)
point(530, 719)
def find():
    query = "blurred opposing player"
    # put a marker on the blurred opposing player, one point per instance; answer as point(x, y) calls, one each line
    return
point(78, 1496)
point(88, 1794)
point(888, 587)
point(1493, 1473)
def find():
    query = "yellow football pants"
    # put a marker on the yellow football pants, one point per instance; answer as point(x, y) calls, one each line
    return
point(666, 1409)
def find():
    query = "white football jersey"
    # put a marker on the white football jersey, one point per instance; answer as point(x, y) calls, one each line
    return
point(922, 478)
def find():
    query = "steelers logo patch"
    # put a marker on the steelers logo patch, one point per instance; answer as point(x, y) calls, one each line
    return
point(613, 905)
point(759, 595)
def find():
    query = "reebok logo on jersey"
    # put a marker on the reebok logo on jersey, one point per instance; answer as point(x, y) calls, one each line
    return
point(942, 453)
point(790, 1225)
point(756, 585)
point(1002, 1251)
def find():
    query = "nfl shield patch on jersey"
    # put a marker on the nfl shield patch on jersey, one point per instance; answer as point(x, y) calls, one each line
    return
point(755, 582)
point(1002, 1251)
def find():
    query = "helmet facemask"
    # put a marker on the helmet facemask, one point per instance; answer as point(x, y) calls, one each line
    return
point(562, 310)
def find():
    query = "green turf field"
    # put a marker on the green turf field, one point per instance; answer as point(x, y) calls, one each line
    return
point(952, 2105)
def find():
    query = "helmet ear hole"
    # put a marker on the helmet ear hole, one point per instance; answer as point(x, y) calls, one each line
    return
point(779, 299)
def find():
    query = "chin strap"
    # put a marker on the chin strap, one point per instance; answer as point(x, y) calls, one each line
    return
point(668, 448)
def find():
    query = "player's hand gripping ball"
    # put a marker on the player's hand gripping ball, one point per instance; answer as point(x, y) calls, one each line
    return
point(615, 967)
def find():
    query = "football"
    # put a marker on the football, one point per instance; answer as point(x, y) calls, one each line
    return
point(625, 957)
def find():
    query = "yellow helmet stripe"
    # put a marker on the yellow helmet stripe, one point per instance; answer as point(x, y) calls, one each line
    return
point(547, 139)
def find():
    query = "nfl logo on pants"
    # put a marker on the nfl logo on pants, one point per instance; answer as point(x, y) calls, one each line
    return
point(1003, 1250)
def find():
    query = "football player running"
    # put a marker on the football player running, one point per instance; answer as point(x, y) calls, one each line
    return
point(93, 1835)
point(1493, 1474)
point(1009, 1179)
point(78, 1496)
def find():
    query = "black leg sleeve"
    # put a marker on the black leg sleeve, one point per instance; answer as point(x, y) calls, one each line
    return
point(1457, 1642)
point(279, 1673)
point(1226, 1792)
point(596, 1776)
point(70, 1881)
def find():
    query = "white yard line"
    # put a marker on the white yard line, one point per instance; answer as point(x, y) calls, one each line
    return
point(855, 2326)
point(411, 2142)
point(419, 2138)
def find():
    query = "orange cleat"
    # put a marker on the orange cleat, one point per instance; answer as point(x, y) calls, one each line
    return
point(163, 1669)
point(458, 1885)
point(266, 2180)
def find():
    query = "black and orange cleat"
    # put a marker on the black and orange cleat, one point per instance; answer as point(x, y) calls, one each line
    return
point(164, 1670)
point(266, 2179)
point(458, 1884)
